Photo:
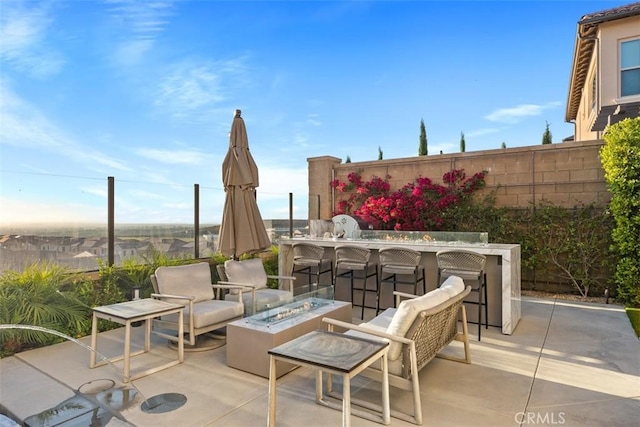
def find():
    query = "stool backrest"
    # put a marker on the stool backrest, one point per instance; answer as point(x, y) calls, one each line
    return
point(352, 254)
point(461, 260)
point(399, 256)
point(307, 251)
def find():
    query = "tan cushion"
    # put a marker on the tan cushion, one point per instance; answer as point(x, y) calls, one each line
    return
point(453, 286)
point(380, 323)
point(249, 271)
point(406, 314)
point(187, 280)
point(208, 313)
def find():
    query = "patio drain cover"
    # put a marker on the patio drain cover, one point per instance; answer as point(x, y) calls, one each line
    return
point(165, 402)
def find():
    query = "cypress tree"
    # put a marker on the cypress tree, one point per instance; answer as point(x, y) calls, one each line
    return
point(463, 145)
point(422, 147)
point(546, 136)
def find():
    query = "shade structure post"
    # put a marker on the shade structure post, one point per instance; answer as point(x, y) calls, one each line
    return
point(196, 221)
point(111, 222)
point(290, 214)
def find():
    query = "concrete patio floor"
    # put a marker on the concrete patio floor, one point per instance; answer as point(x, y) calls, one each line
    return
point(567, 363)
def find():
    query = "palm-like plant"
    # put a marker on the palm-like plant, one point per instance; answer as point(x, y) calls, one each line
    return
point(39, 296)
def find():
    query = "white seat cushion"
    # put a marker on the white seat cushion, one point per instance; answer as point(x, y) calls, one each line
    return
point(380, 323)
point(406, 314)
point(187, 280)
point(249, 271)
point(453, 285)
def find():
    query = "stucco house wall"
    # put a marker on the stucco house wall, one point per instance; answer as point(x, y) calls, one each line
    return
point(595, 99)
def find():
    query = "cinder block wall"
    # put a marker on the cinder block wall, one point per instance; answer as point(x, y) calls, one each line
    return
point(565, 174)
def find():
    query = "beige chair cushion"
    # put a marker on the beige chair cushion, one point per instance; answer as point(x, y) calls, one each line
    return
point(406, 314)
point(380, 323)
point(187, 280)
point(208, 313)
point(453, 285)
point(249, 271)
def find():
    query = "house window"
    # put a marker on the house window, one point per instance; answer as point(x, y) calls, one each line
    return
point(630, 68)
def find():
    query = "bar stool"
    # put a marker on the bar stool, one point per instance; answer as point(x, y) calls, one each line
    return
point(401, 261)
point(467, 265)
point(355, 258)
point(308, 259)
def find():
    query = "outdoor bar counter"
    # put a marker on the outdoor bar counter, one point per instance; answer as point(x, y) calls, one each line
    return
point(502, 269)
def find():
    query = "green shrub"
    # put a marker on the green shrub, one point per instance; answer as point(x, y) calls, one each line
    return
point(41, 295)
point(620, 157)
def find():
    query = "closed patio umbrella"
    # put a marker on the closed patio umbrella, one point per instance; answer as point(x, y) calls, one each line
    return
point(242, 230)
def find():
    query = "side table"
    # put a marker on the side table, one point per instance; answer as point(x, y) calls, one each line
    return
point(127, 313)
point(336, 354)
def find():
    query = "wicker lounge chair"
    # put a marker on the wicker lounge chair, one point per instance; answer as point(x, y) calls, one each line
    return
point(417, 330)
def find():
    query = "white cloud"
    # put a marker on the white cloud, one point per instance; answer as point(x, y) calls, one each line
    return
point(482, 132)
point(23, 43)
point(277, 182)
point(519, 113)
point(141, 22)
point(314, 120)
point(146, 195)
point(100, 191)
point(130, 52)
point(25, 212)
point(190, 157)
point(24, 126)
point(190, 90)
point(177, 206)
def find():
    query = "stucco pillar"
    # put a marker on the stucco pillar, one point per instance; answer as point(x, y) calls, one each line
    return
point(320, 176)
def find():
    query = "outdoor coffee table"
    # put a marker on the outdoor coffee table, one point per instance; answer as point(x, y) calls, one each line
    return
point(127, 313)
point(337, 354)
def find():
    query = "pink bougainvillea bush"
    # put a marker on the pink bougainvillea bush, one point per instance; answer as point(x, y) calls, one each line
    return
point(420, 205)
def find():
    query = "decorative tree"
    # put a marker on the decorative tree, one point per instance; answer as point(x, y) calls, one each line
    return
point(348, 159)
point(504, 144)
point(463, 145)
point(546, 136)
point(422, 148)
point(379, 153)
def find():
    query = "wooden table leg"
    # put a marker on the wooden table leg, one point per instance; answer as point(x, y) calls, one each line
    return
point(386, 411)
point(319, 385)
point(147, 335)
point(180, 335)
point(127, 350)
point(271, 421)
point(346, 401)
point(94, 341)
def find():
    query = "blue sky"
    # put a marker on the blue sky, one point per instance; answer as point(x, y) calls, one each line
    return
point(144, 91)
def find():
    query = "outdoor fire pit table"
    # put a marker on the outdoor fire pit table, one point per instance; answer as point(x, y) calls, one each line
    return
point(249, 339)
